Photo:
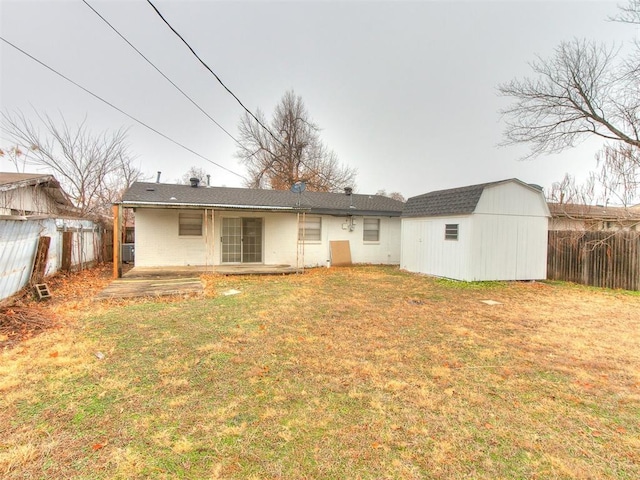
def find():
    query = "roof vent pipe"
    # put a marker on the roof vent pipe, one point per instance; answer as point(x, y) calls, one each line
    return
point(194, 182)
point(158, 177)
point(208, 180)
point(348, 191)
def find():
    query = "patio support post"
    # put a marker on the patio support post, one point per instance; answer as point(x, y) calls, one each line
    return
point(117, 241)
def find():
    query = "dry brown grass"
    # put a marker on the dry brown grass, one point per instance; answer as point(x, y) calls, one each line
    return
point(364, 372)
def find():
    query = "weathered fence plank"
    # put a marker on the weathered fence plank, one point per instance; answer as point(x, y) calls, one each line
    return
point(40, 262)
point(600, 259)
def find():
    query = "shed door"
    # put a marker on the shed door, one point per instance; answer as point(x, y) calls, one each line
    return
point(241, 240)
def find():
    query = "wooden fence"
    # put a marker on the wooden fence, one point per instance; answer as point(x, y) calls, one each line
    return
point(601, 259)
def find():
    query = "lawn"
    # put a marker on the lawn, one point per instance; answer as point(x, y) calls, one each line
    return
point(362, 373)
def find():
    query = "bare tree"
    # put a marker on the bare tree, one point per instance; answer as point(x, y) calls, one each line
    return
point(394, 195)
point(16, 156)
point(629, 13)
point(585, 89)
point(291, 151)
point(567, 191)
point(619, 175)
point(194, 172)
point(94, 169)
point(615, 183)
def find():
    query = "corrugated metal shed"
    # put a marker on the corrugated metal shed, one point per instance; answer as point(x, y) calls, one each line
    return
point(19, 241)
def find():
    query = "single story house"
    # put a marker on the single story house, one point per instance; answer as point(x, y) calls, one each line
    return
point(491, 231)
point(33, 194)
point(179, 225)
point(578, 217)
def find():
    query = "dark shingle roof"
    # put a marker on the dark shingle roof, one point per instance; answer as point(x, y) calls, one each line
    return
point(454, 201)
point(171, 195)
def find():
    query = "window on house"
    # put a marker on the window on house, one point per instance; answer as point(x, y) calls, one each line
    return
point(190, 224)
point(451, 231)
point(310, 229)
point(371, 230)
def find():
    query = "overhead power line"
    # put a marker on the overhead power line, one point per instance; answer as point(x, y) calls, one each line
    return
point(160, 71)
point(212, 72)
point(119, 109)
point(249, 112)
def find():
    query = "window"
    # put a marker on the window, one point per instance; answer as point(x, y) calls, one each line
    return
point(371, 230)
point(190, 224)
point(451, 231)
point(310, 229)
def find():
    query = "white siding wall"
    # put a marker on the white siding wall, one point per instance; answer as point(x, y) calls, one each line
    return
point(27, 199)
point(158, 242)
point(386, 251)
point(425, 250)
point(508, 247)
point(510, 234)
point(512, 199)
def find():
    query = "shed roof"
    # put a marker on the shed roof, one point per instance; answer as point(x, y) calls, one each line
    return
point(166, 195)
point(453, 201)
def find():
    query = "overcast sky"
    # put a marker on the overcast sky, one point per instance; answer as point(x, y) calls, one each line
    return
point(403, 91)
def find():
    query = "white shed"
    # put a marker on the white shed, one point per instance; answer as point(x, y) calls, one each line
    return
point(491, 231)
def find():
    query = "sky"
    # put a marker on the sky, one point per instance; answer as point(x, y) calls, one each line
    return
point(405, 92)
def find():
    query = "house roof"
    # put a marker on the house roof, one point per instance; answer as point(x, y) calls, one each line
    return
point(142, 194)
point(453, 201)
point(12, 181)
point(593, 212)
point(15, 180)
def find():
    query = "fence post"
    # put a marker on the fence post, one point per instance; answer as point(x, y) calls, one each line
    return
point(67, 241)
point(117, 240)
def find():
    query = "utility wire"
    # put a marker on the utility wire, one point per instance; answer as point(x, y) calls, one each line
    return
point(212, 72)
point(119, 109)
point(160, 72)
point(192, 50)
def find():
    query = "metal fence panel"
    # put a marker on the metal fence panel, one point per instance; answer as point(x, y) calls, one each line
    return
point(19, 241)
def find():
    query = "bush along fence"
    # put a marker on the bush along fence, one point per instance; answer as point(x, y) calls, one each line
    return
point(31, 249)
point(600, 259)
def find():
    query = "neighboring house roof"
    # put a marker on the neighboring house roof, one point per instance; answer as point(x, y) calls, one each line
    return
point(12, 181)
point(593, 212)
point(142, 194)
point(453, 201)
